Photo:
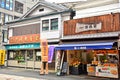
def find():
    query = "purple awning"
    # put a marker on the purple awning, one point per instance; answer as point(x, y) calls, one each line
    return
point(50, 53)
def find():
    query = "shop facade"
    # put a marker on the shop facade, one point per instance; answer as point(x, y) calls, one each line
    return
point(42, 21)
point(22, 52)
point(89, 41)
point(27, 55)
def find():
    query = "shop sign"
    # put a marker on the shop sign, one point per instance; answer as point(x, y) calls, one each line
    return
point(44, 50)
point(80, 27)
point(80, 47)
point(111, 72)
point(106, 51)
point(2, 57)
point(23, 46)
point(24, 39)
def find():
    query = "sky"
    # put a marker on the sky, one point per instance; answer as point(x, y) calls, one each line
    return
point(62, 1)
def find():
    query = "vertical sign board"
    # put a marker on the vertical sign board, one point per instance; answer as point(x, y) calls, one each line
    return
point(44, 55)
point(2, 57)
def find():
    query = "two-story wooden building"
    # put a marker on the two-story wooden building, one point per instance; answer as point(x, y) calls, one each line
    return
point(90, 41)
point(43, 20)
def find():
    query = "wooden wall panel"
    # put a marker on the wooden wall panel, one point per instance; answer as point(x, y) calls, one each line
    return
point(110, 23)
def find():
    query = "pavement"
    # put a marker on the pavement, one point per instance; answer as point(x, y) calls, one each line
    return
point(11, 73)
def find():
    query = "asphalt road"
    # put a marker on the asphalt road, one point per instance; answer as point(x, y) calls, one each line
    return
point(29, 74)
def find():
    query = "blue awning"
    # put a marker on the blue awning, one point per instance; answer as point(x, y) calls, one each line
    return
point(103, 45)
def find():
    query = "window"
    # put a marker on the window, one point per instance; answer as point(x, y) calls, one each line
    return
point(8, 18)
point(38, 56)
point(4, 35)
point(7, 4)
point(12, 55)
point(30, 55)
point(18, 7)
point(11, 4)
point(2, 3)
point(17, 55)
point(50, 24)
point(40, 10)
point(45, 25)
point(54, 24)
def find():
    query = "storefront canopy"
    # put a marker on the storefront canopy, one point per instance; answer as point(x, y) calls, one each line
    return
point(103, 45)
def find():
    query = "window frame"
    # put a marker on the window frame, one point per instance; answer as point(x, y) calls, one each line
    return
point(49, 28)
point(44, 27)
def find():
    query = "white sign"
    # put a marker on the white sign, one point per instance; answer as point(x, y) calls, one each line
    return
point(80, 27)
point(111, 72)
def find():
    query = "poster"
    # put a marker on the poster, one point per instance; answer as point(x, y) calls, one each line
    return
point(111, 72)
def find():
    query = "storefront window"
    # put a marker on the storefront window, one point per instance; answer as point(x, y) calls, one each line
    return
point(30, 55)
point(12, 55)
point(17, 55)
point(54, 24)
point(38, 56)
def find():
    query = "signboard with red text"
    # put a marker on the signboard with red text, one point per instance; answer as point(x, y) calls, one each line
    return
point(31, 38)
point(44, 50)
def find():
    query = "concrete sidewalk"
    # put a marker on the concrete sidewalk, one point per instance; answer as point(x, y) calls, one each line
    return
point(27, 74)
point(12, 77)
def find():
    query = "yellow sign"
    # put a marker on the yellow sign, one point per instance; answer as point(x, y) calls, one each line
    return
point(2, 57)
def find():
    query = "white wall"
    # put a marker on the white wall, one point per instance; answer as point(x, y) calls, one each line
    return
point(51, 34)
point(10, 33)
point(101, 10)
point(46, 11)
point(55, 34)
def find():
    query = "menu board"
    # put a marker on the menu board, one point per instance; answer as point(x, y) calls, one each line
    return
point(107, 71)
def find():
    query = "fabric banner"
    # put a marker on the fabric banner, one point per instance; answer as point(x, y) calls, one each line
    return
point(50, 54)
point(44, 50)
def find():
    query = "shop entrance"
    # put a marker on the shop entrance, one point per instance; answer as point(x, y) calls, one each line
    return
point(73, 61)
point(78, 60)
